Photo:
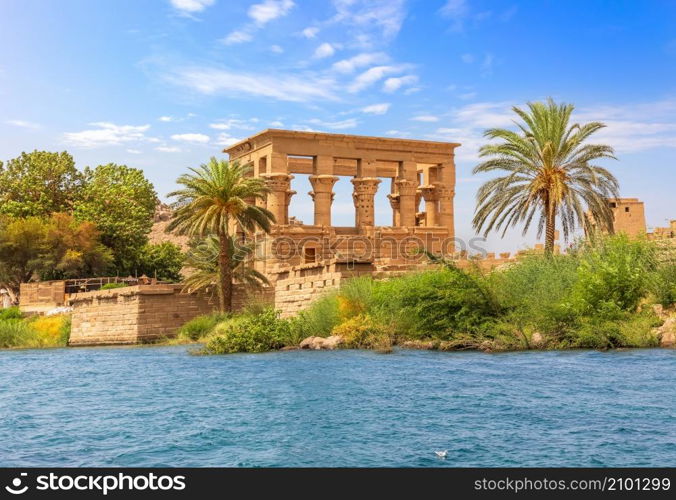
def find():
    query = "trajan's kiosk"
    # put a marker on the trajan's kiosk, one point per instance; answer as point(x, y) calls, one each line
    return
point(419, 177)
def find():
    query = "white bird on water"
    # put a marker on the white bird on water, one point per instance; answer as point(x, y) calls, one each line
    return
point(441, 454)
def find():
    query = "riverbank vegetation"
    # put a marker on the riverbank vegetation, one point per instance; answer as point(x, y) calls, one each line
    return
point(17, 331)
point(58, 222)
point(598, 296)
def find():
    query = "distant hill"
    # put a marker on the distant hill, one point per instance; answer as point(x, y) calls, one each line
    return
point(158, 232)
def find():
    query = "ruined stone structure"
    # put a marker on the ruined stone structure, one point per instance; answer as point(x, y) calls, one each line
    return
point(139, 314)
point(629, 216)
point(418, 172)
point(664, 233)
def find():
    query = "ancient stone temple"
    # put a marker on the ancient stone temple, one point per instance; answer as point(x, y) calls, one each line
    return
point(419, 177)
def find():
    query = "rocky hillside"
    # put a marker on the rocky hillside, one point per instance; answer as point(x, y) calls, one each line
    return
point(158, 232)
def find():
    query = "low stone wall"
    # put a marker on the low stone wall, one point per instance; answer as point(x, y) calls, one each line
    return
point(132, 315)
point(41, 296)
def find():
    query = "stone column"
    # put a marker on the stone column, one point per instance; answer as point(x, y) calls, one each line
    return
point(407, 205)
point(279, 195)
point(322, 194)
point(407, 182)
point(447, 193)
point(396, 207)
point(364, 192)
point(431, 195)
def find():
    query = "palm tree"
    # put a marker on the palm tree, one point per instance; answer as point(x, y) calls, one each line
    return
point(548, 172)
point(202, 258)
point(216, 198)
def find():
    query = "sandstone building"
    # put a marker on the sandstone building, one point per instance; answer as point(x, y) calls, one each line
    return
point(419, 177)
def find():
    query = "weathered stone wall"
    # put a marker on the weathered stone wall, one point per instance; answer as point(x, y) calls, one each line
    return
point(133, 314)
point(143, 313)
point(41, 295)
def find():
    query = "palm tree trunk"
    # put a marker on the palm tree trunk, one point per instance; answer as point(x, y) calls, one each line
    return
point(550, 230)
point(225, 274)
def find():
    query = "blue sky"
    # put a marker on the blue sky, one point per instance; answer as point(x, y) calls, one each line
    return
point(164, 84)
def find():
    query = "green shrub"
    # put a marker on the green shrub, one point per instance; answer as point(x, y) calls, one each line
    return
point(319, 318)
point(112, 286)
point(10, 313)
point(17, 333)
point(201, 326)
point(365, 332)
point(614, 276)
point(436, 304)
point(250, 333)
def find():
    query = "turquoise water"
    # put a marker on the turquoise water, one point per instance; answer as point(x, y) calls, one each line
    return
point(160, 406)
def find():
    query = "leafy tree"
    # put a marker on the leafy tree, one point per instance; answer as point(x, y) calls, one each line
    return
point(549, 173)
point(121, 202)
point(54, 248)
point(38, 184)
point(215, 199)
point(72, 250)
point(202, 259)
point(161, 260)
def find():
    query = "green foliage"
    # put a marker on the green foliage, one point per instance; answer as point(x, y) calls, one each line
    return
point(201, 326)
point(614, 276)
point(54, 248)
point(161, 260)
point(319, 319)
point(37, 332)
point(549, 173)
point(365, 332)
point(38, 184)
point(202, 260)
point(213, 198)
point(584, 299)
point(113, 286)
point(664, 284)
point(245, 333)
point(121, 202)
point(10, 313)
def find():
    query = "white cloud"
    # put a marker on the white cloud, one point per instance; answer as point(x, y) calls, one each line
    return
point(343, 124)
point(310, 32)
point(467, 58)
point(324, 50)
point(372, 75)
point(191, 137)
point(134, 151)
point(264, 12)
point(166, 118)
point(376, 109)
point(23, 124)
point(168, 149)
point(276, 49)
point(377, 19)
point(231, 123)
point(106, 134)
point(277, 124)
point(191, 6)
point(359, 61)
point(457, 11)
point(237, 36)
point(425, 118)
point(394, 84)
point(274, 85)
point(225, 139)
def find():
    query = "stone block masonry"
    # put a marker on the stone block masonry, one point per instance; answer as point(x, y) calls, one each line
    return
point(133, 315)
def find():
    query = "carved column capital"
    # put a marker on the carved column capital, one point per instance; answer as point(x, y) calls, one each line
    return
point(365, 185)
point(395, 201)
point(278, 181)
point(323, 183)
point(406, 187)
point(430, 192)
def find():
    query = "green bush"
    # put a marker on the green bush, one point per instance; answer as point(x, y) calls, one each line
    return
point(319, 318)
point(17, 333)
point(201, 326)
point(112, 286)
point(436, 304)
point(10, 313)
point(365, 332)
point(250, 333)
point(614, 276)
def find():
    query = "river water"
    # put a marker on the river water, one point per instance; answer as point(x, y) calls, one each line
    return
point(161, 406)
